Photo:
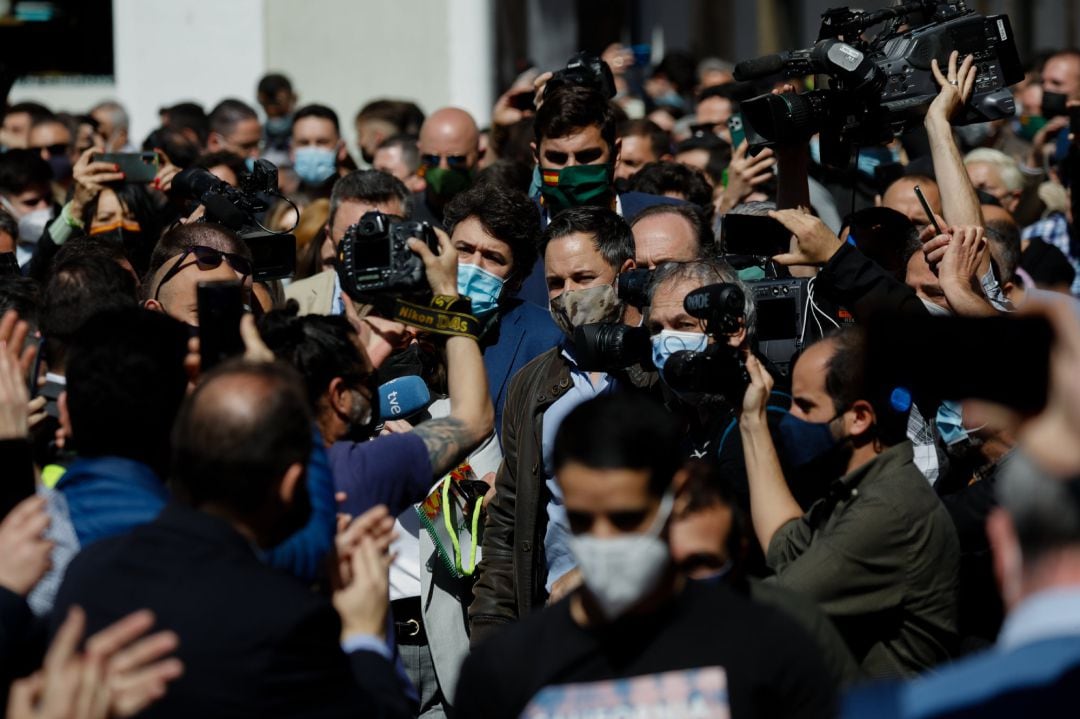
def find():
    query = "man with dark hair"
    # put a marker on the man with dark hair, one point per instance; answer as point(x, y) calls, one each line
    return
point(636, 634)
point(381, 119)
point(275, 94)
point(494, 231)
point(400, 157)
point(262, 642)
point(642, 142)
point(674, 179)
point(235, 127)
point(187, 255)
point(25, 192)
point(18, 119)
point(317, 150)
point(450, 153)
point(224, 165)
point(879, 553)
point(189, 119)
point(54, 139)
point(354, 195)
point(707, 152)
point(671, 233)
point(585, 249)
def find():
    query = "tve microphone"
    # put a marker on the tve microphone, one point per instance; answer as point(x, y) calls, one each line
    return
point(402, 397)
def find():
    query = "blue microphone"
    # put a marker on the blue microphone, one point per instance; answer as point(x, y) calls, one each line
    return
point(399, 398)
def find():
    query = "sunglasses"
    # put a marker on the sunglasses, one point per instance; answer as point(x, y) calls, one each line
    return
point(52, 150)
point(455, 162)
point(206, 258)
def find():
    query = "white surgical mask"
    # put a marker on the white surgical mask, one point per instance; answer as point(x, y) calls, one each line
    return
point(31, 227)
point(620, 571)
point(668, 342)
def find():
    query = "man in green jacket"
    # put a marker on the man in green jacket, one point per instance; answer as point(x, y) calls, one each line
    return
point(879, 552)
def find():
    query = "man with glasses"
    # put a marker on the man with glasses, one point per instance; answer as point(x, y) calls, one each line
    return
point(53, 139)
point(449, 153)
point(235, 127)
point(190, 254)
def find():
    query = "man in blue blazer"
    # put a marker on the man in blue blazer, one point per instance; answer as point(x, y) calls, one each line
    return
point(576, 151)
point(494, 230)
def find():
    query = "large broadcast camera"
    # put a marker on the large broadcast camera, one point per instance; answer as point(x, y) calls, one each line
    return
point(883, 85)
point(374, 257)
point(273, 253)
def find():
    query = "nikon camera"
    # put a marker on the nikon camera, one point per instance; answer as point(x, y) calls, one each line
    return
point(374, 257)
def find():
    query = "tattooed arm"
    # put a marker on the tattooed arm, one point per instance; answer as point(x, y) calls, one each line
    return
point(450, 439)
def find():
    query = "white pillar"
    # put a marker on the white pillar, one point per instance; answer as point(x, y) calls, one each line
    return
point(471, 44)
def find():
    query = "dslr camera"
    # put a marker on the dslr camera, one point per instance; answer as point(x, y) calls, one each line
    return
point(883, 85)
point(373, 257)
point(239, 208)
point(584, 69)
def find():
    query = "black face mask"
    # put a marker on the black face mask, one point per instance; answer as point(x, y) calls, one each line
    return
point(812, 481)
point(400, 364)
point(1054, 104)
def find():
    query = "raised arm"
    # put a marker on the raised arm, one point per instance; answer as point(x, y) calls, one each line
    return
point(959, 201)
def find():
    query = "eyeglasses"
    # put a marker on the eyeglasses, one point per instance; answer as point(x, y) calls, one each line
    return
point(52, 150)
point(207, 258)
point(454, 162)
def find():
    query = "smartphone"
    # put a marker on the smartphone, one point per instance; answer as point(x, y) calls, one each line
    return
point(1011, 358)
point(735, 127)
point(523, 101)
point(926, 209)
point(138, 167)
point(221, 305)
point(754, 235)
point(8, 264)
point(273, 256)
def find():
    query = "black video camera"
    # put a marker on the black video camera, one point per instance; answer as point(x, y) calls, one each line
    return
point(584, 69)
point(609, 346)
point(719, 370)
point(238, 208)
point(373, 257)
point(633, 287)
point(882, 86)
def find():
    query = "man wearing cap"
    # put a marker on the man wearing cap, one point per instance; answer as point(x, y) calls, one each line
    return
point(878, 552)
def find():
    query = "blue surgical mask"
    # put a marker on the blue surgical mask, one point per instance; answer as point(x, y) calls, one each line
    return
point(278, 125)
point(480, 286)
point(249, 163)
point(315, 165)
point(805, 442)
point(668, 342)
point(950, 422)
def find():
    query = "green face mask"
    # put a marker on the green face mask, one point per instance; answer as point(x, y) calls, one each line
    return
point(444, 183)
point(1030, 125)
point(576, 186)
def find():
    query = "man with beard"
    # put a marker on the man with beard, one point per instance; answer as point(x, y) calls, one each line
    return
point(879, 552)
point(527, 559)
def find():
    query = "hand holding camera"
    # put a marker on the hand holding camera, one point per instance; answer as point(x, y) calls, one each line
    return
point(815, 242)
point(442, 268)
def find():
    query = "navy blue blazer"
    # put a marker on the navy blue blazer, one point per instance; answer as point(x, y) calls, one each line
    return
point(524, 331)
point(534, 288)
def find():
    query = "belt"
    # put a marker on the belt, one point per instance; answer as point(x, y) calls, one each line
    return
point(408, 621)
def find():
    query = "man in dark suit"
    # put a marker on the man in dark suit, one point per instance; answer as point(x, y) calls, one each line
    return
point(495, 230)
point(254, 641)
point(576, 149)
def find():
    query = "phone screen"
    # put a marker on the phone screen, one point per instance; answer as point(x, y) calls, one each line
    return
point(755, 235)
point(221, 305)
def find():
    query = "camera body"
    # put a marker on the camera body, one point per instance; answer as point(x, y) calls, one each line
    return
point(584, 69)
point(608, 346)
point(781, 307)
point(719, 370)
point(373, 257)
point(882, 86)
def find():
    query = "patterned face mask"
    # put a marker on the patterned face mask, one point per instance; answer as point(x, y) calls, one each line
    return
point(574, 308)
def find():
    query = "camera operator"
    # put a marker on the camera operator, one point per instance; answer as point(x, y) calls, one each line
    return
point(879, 553)
point(526, 553)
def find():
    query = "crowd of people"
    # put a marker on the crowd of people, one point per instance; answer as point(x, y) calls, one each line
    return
point(500, 491)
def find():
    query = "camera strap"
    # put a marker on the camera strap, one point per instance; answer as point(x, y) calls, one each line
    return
point(446, 315)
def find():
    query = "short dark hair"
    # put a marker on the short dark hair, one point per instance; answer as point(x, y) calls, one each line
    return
point(320, 111)
point(189, 116)
point(125, 383)
point(319, 347)
point(232, 456)
point(659, 139)
point(181, 237)
point(180, 148)
point(846, 382)
point(507, 215)
point(884, 235)
point(694, 215)
point(35, 110)
point(661, 178)
point(21, 294)
point(611, 235)
point(410, 152)
point(85, 281)
point(1004, 237)
point(621, 431)
point(228, 113)
point(680, 68)
point(224, 158)
point(22, 169)
point(570, 108)
point(719, 154)
point(507, 173)
point(273, 83)
point(405, 116)
point(367, 185)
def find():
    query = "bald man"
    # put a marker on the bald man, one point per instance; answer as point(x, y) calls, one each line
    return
point(900, 196)
point(450, 151)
